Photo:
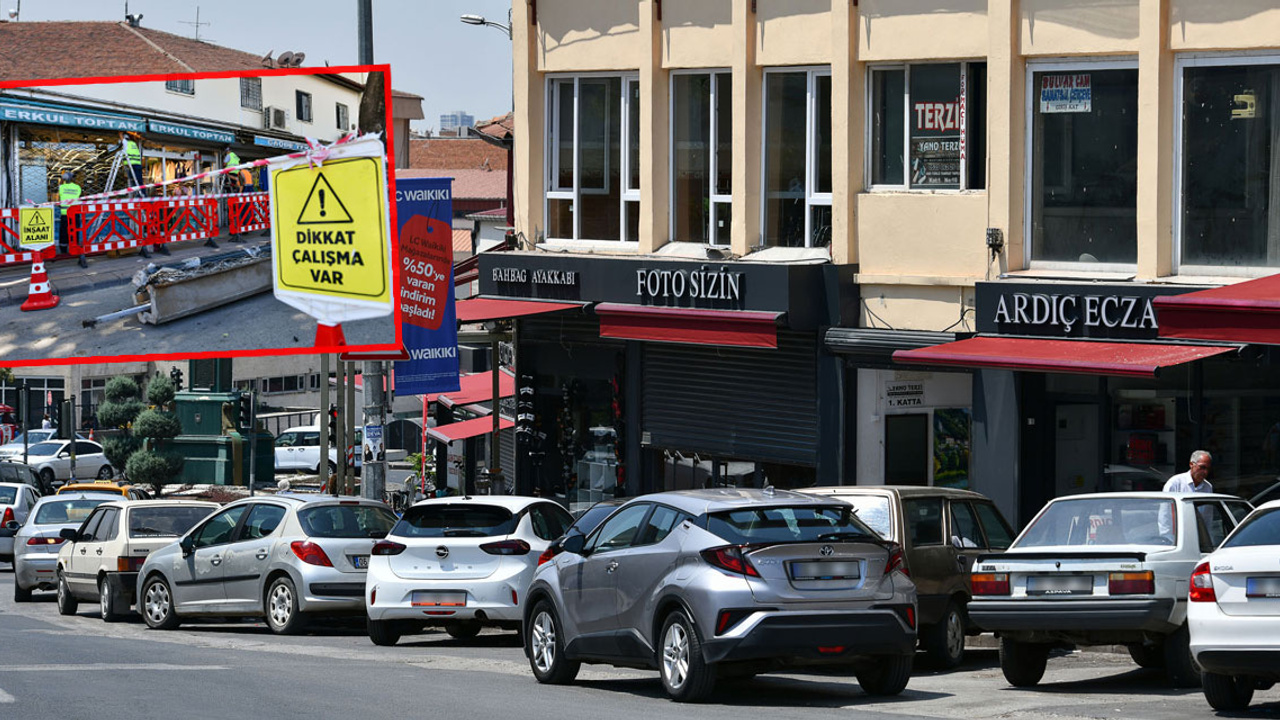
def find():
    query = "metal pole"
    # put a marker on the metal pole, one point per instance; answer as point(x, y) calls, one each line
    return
point(322, 420)
point(253, 438)
point(374, 480)
point(496, 363)
point(26, 419)
point(364, 27)
point(340, 477)
point(350, 437)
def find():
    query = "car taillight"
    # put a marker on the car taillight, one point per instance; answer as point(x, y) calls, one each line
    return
point(129, 564)
point(386, 547)
point(310, 553)
point(1131, 583)
point(8, 517)
point(731, 558)
point(506, 547)
point(990, 583)
point(1202, 584)
point(46, 541)
point(897, 561)
point(548, 555)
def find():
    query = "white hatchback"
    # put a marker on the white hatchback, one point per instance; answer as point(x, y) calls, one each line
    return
point(1234, 612)
point(458, 562)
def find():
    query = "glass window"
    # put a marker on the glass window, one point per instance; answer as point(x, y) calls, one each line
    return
point(999, 534)
point(219, 528)
point(702, 159)
point(874, 511)
point(660, 524)
point(788, 524)
point(251, 93)
point(797, 158)
point(1213, 524)
point(1239, 509)
point(172, 521)
point(964, 526)
point(185, 87)
point(620, 530)
point(303, 105)
point(347, 521)
point(1084, 165)
point(65, 511)
point(90, 527)
point(549, 521)
point(1101, 520)
point(262, 521)
point(449, 520)
point(924, 521)
point(344, 117)
point(930, 118)
point(1260, 529)
point(1229, 164)
point(109, 529)
point(8, 496)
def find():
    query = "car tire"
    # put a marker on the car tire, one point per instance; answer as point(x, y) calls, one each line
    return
point(281, 607)
point(156, 605)
point(67, 603)
point(944, 642)
point(887, 676)
point(544, 644)
point(383, 633)
point(1023, 663)
point(463, 630)
point(686, 676)
point(46, 477)
point(1179, 665)
point(105, 472)
point(333, 469)
point(107, 601)
point(1147, 656)
point(20, 594)
point(1227, 693)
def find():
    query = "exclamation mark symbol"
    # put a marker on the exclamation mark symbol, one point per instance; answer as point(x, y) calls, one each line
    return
point(321, 202)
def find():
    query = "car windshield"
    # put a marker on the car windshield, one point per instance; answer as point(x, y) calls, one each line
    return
point(61, 512)
point(455, 520)
point(44, 448)
point(172, 521)
point(8, 495)
point(872, 510)
point(807, 523)
point(1101, 520)
point(1261, 528)
point(347, 521)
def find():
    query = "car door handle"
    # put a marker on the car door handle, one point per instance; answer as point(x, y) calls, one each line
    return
point(611, 566)
point(83, 551)
point(99, 551)
point(215, 560)
point(262, 554)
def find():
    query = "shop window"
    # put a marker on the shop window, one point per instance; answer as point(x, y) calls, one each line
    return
point(702, 157)
point(344, 117)
point(1083, 158)
point(593, 187)
point(1230, 165)
point(303, 106)
point(184, 87)
point(797, 158)
point(285, 384)
point(928, 127)
point(906, 442)
point(251, 93)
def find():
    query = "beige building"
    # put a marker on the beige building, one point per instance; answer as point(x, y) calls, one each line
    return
point(1013, 168)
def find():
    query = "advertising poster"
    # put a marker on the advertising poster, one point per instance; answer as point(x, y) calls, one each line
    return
point(1068, 93)
point(951, 448)
point(937, 126)
point(424, 211)
point(374, 450)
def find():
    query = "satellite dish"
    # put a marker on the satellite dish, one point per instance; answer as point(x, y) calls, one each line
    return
point(267, 61)
point(285, 58)
point(298, 57)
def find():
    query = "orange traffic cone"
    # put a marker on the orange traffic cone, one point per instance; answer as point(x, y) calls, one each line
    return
point(329, 335)
point(90, 433)
point(40, 296)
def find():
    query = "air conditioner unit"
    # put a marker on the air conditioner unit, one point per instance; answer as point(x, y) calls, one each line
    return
point(274, 117)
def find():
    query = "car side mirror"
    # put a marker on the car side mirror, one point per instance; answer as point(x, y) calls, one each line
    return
point(575, 544)
point(188, 545)
point(71, 534)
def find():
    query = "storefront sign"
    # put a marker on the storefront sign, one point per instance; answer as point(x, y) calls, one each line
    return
point(1071, 93)
point(192, 133)
point(424, 210)
point(937, 126)
point(904, 395)
point(508, 275)
point(278, 143)
point(51, 116)
point(1059, 310)
point(702, 283)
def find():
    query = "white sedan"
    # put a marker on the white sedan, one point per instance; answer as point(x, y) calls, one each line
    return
point(1234, 612)
point(51, 460)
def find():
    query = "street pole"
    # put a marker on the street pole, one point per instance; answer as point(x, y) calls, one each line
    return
point(25, 407)
point(364, 28)
point(253, 438)
point(322, 419)
point(340, 477)
point(496, 363)
point(350, 438)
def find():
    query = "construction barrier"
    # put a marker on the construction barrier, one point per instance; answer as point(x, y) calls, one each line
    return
point(187, 219)
point(99, 227)
point(11, 252)
point(249, 212)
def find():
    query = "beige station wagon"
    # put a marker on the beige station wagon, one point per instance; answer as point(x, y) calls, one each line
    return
point(942, 531)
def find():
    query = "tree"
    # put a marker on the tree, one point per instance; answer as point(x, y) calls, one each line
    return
point(119, 409)
point(155, 463)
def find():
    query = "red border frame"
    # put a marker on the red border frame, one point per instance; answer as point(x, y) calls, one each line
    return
point(394, 257)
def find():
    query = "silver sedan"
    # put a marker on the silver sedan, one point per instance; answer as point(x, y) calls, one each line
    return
point(36, 545)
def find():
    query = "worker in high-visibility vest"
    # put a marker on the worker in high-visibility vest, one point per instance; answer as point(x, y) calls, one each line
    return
point(233, 179)
point(68, 192)
point(133, 157)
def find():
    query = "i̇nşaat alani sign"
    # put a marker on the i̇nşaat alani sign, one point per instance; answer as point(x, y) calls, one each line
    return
point(1062, 310)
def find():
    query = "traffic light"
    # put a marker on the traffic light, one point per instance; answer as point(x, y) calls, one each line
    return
point(333, 426)
point(175, 374)
point(246, 408)
point(66, 420)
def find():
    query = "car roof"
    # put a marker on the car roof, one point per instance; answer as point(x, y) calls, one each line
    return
point(106, 486)
point(704, 500)
point(14, 485)
point(123, 503)
point(302, 428)
point(510, 502)
point(899, 490)
point(1152, 494)
point(78, 495)
point(301, 499)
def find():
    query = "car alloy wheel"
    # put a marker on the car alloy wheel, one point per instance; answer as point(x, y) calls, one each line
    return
point(675, 656)
point(543, 641)
point(67, 603)
point(105, 473)
point(106, 601)
point(282, 608)
point(955, 634)
point(157, 605)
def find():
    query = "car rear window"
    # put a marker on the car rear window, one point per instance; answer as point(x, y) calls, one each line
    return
point(873, 510)
point(66, 511)
point(8, 495)
point(1102, 520)
point(1262, 528)
point(787, 524)
point(347, 521)
point(147, 522)
point(455, 520)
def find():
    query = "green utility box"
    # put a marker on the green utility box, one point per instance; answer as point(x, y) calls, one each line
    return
point(215, 440)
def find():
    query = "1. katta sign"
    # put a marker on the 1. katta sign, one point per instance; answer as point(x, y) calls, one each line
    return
point(1062, 310)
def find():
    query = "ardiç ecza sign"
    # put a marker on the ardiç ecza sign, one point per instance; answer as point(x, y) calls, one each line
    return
point(1067, 310)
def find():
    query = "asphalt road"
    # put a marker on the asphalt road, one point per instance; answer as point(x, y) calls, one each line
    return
point(79, 667)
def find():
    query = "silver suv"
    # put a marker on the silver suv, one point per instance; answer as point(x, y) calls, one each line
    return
point(701, 584)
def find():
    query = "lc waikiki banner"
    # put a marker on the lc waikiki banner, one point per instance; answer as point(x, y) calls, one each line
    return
point(424, 210)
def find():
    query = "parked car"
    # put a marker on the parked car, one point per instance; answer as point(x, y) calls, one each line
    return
point(459, 562)
point(13, 448)
point(702, 584)
point(13, 471)
point(120, 489)
point(36, 545)
point(52, 460)
point(1102, 569)
point(284, 557)
point(101, 558)
point(1234, 612)
point(16, 501)
point(298, 450)
point(584, 522)
point(941, 531)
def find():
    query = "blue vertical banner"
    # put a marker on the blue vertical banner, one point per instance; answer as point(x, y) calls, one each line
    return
point(424, 212)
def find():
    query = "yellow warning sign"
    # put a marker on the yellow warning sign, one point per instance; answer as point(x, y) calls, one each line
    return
point(36, 228)
point(330, 229)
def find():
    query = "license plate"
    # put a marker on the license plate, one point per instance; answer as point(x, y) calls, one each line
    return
point(359, 562)
point(825, 571)
point(1262, 587)
point(425, 598)
point(1060, 585)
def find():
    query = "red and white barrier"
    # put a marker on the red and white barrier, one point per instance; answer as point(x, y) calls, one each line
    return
point(189, 219)
point(11, 252)
point(248, 212)
point(99, 227)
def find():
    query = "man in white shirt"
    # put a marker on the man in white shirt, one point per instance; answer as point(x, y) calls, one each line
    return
point(1196, 478)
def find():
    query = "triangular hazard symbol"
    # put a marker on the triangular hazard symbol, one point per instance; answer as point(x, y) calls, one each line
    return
point(323, 205)
point(37, 220)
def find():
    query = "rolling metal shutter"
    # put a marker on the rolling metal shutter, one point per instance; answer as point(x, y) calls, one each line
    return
point(741, 403)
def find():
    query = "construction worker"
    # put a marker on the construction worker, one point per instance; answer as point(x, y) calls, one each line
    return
point(68, 192)
point(233, 179)
point(133, 156)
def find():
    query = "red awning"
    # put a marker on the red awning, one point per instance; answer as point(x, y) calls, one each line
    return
point(735, 328)
point(467, 428)
point(474, 310)
point(477, 387)
point(1247, 312)
point(1061, 356)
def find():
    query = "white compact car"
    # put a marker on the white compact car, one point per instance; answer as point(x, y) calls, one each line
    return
point(298, 450)
point(52, 460)
point(1102, 569)
point(460, 563)
point(16, 501)
point(1234, 612)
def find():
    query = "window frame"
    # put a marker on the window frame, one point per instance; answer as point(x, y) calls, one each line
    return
point(811, 199)
point(1111, 62)
point(593, 540)
point(342, 116)
point(551, 158)
point(713, 151)
point(251, 82)
point(177, 86)
point(298, 96)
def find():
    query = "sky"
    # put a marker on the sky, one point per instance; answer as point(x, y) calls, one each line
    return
point(451, 65)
